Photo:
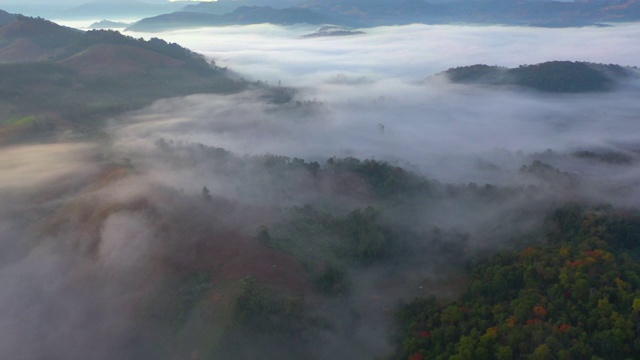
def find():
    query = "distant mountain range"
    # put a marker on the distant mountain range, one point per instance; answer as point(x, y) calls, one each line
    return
point(552, 76)
point(384, 12)
point(243, 15)
point(57, 76)
point(106, 24)
point(226, 6)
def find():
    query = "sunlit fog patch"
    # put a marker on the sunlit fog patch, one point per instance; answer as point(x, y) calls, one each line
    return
point(28, 167)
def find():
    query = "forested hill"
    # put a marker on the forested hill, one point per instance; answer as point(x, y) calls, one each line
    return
point(383, 12)
point(35, 39)
point(53, 76)
point(575, 297)
point(552, 76)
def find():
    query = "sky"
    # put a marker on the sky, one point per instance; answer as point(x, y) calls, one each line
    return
point(47, 8)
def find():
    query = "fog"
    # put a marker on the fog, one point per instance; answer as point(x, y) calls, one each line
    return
point(98, 236)
point(408, 53)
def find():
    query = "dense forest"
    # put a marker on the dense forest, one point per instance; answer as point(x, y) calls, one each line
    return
point(575, 296)
point(552, 76)
point(563, 288)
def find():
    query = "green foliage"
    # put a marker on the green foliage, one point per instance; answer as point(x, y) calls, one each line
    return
point(50, 90)
point(474, 73)
point(383, 178)
point(365, 238)
point(190, 290)
point(608, 157)
point(25, 121)
point(258, 309)
point(359, 237)
point(331, 280)
point(573, 298)
point(194, 61)
point(548, 173)
point(552, 76)
point(563, 76)
point(44, 88)
point(44, 33)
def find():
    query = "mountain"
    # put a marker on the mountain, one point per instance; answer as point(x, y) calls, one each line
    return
point(107, 24)
point(553, 76)
point(363, 13)
point(380, 12)
point(120, 8)
point(548, 13)
point(62, 77)
point(244, 15)
point(527, 12)
point(226, 6)
point(28, 39)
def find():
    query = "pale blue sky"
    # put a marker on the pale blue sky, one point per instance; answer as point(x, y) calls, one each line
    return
point(47, 8)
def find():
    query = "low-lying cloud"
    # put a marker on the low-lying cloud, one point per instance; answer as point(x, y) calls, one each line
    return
point(410, 53)
point(441, 130)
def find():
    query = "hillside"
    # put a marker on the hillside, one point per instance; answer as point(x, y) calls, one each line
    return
point(6, 18)
point(68, 78)
point(553, 76)
point(575, 297)
point(238, 274)
point(28, 39)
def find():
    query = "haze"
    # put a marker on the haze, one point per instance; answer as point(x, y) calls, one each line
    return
point(385, 77)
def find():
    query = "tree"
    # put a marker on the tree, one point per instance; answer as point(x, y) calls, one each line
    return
point(206, 194)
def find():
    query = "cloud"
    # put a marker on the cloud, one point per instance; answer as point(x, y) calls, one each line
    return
point(440, 128)
point(32, 167)
point(409, 53)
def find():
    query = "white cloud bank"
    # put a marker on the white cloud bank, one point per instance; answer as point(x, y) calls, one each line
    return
point(410, 53)
point(376, 79)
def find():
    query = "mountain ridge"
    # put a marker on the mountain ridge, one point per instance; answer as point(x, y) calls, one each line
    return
point(244, 15)
point(357, 13)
